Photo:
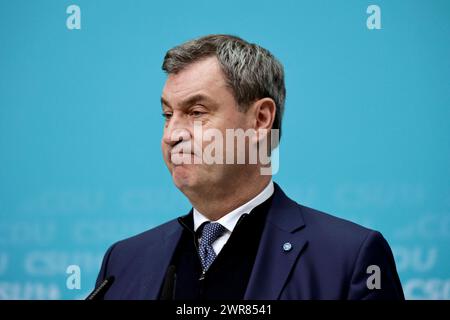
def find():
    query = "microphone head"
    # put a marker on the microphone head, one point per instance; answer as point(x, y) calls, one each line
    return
point(168, 289)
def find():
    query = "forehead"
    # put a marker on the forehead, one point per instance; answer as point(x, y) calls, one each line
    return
point(203, 76)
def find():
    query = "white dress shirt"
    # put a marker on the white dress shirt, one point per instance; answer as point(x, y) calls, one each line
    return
point(230, 220)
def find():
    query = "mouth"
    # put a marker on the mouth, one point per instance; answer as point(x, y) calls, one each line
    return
point(181, 158)
point(179, 152)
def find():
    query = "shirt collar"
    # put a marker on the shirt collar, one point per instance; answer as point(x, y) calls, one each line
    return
point(230, 220)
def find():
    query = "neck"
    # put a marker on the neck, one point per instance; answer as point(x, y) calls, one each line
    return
point(220, 200)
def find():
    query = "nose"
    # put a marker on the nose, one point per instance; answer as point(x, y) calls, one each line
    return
point(175, 131)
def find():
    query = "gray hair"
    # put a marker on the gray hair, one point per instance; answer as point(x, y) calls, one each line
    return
point(251, 71)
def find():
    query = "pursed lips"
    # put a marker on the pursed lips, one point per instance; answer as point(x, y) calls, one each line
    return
point(180, 155)
point(183, 148)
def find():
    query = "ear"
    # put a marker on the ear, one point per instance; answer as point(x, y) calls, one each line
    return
point(264, 111)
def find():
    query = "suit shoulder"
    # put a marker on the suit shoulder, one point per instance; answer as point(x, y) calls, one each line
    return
point(149, 237)
point(334, 228)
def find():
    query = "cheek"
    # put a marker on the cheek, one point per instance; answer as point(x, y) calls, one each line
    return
point(225, 122)
point(236, 119)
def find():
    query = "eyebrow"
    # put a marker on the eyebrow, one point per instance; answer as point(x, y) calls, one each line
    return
point(196, 98)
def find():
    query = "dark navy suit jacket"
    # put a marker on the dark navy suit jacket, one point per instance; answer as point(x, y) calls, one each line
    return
point(328, 259)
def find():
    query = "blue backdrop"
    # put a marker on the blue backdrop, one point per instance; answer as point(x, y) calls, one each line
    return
point(366, 128)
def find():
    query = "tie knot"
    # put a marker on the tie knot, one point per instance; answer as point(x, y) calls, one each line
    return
point(211, 231)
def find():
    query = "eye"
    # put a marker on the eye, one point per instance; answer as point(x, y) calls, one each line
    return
point(196, 113)
point(167, 115)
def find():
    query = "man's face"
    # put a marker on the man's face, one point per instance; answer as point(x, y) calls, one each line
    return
point(198, 93)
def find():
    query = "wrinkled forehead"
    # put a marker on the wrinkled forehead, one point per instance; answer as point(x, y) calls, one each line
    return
point(201, 76)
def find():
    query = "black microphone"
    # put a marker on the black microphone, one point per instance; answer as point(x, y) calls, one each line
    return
point(168, 289)
point(100, 291)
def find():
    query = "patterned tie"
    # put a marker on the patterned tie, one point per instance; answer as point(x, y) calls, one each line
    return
point(210, 232)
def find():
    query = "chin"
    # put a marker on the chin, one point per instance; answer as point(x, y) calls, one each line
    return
point(183, 177)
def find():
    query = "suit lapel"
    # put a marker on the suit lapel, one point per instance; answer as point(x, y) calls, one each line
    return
point(282, 243)
point(158, 259)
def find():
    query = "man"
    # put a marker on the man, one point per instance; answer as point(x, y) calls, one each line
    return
point(244, 238)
